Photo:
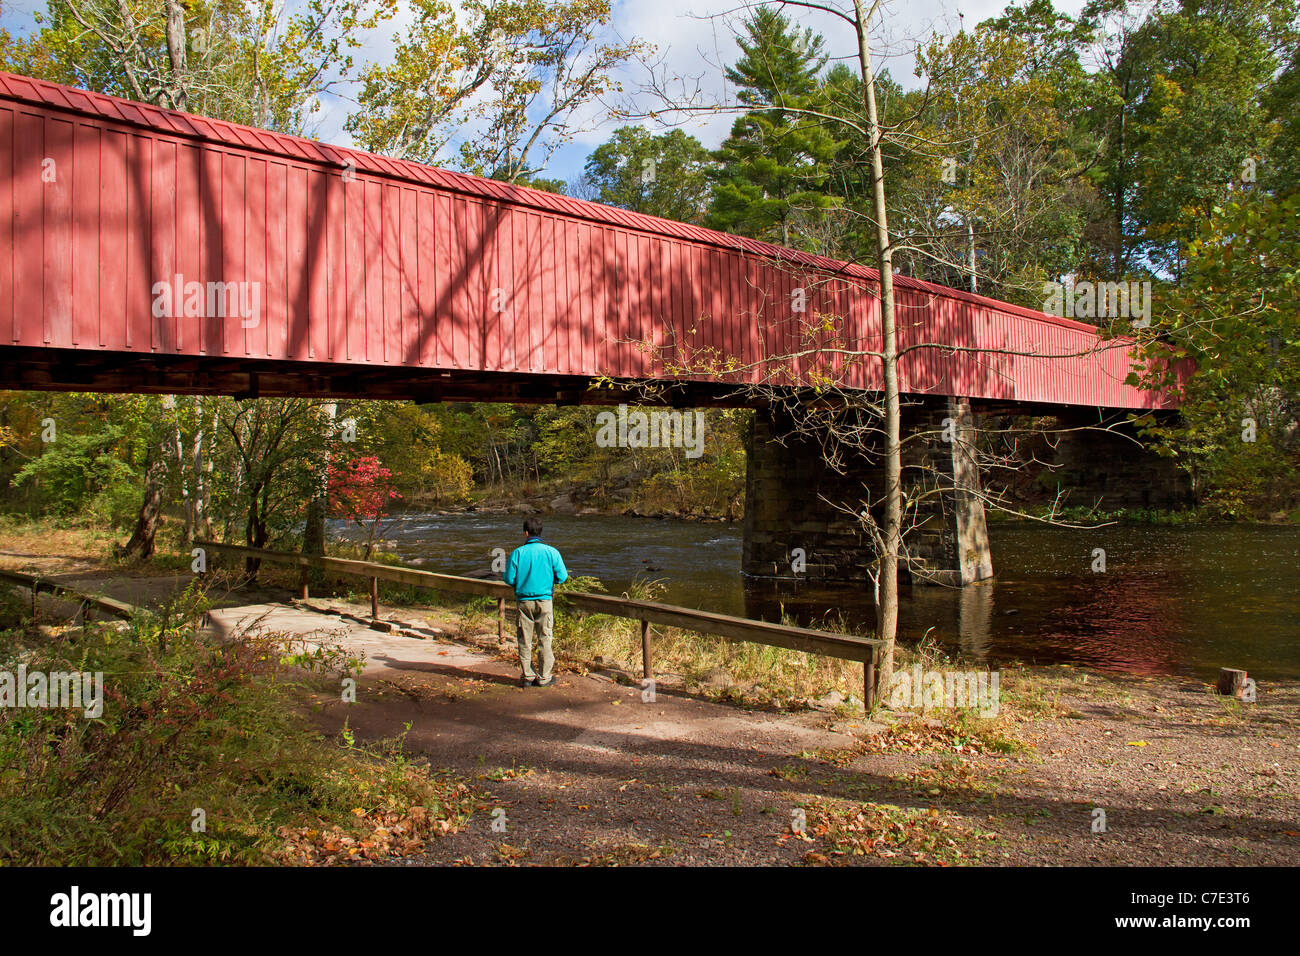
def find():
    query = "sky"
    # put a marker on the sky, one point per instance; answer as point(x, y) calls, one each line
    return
point(693, 39)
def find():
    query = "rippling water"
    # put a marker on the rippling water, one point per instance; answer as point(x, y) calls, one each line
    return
point(1173, 600)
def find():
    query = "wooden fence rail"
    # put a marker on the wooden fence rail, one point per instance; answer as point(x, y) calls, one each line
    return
point(850, 647)
point(37, 584)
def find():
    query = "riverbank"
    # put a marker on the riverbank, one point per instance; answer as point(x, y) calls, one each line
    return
point(592, 773)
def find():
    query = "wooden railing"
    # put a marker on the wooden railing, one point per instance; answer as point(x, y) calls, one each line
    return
point(38, 584)
point(850, 647)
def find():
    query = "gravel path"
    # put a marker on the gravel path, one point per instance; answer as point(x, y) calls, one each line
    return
point(592, 772)
point(589, 772)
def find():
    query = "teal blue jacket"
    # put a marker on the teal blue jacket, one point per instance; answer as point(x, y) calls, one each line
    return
point(534, 569)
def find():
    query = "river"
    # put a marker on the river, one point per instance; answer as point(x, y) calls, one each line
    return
point(1182, 600)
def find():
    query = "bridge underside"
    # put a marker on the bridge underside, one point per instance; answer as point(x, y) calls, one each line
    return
point(45, 369)
point(82, 370)
point(803, 516)
point(795, 502)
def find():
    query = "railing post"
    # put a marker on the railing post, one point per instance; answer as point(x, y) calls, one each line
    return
point(302, 582)
point(501, 619)
point(869, 681)
point(374, 599)
point(647, 669)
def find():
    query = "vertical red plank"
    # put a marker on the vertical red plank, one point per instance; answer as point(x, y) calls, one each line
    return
point(260, 259)
point(546, 287)
point(390, 271)
point(648, 315)
point(189, 262)
point(335, 254)
point(645, 325)
point(29, 229)
point(445, 279)
point(428, 286)
point(651, 317)
point(570, 298)
point(114, 251)
point(140, 276)
point(163, 243)
point(596, 265)
point(460, 319)
point(85, 237)
point(58, 265)
point(8, 221)
point(505, 306)
point(735, 313)
point(715, 339)
point(493, 297)
point(636, 328)
point(528, 325)
point(595, 331)
point(720, 329)
point(564, 299)
point(352, 347)
point(602, 341)
point(676, 261)
point(316, 265)
point(372, 265)
point(234, 256)
point(580, 299)
point(792, 320)
point(8, 217)
point(212, 242)
point(614, 350)
point(722, 321)
point(409, 261)
point(299, 266)
point(476, 253)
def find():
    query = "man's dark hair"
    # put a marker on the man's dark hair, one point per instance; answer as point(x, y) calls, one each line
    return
point(533, 527)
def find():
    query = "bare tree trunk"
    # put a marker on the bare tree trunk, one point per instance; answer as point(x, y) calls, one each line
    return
point(176, 54)
point(887, 603)
point(313, 532)
point(187, 498)
point(141, 543)
point(202, 523)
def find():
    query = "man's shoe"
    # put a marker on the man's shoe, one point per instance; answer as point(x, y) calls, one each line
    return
point(528, 682)
point(545, 683)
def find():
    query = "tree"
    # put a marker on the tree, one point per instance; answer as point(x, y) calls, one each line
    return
point(254, 63)
point(994, 200)
point(504, 83)
point(360, 491)
point(1237, 316)
point(773, 168)
point(664, 175)
point(267, 465)
point(1188, 88)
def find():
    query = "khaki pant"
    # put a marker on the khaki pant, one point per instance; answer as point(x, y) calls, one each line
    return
point(535, 615)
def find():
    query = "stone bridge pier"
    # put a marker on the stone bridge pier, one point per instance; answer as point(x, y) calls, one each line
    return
point(801, 513)
point(1100, 462)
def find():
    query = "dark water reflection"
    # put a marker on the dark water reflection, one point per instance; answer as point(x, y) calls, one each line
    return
point(1173, 600)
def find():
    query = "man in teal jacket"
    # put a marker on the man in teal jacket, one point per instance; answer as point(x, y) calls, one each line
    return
point(533, 571)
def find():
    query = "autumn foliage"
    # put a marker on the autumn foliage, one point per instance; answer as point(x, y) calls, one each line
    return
point(361, 490)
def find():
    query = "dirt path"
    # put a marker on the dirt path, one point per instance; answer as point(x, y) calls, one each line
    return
point(590, 772)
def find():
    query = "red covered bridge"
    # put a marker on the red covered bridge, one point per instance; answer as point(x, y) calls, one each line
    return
point(155, 251)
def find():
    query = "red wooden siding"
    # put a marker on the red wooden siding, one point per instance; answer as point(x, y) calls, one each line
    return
point(366, 260)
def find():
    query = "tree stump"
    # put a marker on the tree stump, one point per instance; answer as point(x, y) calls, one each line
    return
point(1231, 682)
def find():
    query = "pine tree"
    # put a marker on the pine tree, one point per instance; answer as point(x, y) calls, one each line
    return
point(773, 169)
